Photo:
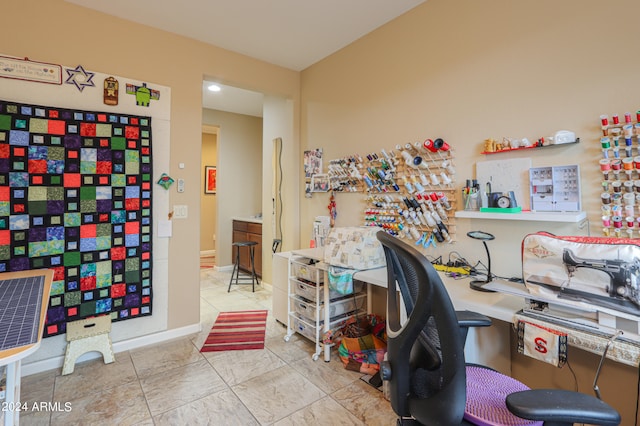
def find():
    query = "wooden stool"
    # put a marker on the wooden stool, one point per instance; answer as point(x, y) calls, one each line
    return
point(87, 335)
point(236, 266)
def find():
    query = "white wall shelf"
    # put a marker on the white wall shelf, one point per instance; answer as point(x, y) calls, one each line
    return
point(570, 217)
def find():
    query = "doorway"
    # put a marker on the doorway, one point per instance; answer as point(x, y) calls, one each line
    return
point(232, 137)
point(208, 201)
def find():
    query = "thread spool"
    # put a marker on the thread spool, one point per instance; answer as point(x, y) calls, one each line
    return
point(606, 221)
point(616, 198)
point(605, 164)
point(628, 210)
point(628, 187)
point(616, 164)
point(606, 198)
point(444, 200)
point(448, 167)
point(629, 199)
point(429, 146)
point(617, 221)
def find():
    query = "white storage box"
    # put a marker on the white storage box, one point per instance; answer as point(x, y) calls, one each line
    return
point(306, 272)
point(337, 307)
point(308, 291)
point(308, 329)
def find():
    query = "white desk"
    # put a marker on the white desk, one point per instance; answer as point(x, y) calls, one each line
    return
point(491, 346)
point(12, 356)
point(488, 346)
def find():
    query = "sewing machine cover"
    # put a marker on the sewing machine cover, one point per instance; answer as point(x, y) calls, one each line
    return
point(596, 270)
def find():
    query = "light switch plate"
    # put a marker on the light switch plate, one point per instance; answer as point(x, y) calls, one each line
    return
point(180, 211)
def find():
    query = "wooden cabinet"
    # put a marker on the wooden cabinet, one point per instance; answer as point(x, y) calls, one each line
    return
point(248, 231)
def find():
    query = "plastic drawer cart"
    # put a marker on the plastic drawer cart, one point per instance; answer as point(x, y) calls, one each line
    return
point(308, 314)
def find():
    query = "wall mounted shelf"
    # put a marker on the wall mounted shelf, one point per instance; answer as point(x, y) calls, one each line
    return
point(569, 217)
point(529, 148)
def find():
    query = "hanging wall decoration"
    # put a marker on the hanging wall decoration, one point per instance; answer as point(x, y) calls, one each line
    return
point(79, 77)
point(144, 95)
point(165, 181)
point(25, 69)
point(210, 179)
point(111, 87)
point(75, 197)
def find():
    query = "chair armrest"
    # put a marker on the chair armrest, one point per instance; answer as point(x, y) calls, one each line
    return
point(468, 319)
point(562, 407)
point(472, 319)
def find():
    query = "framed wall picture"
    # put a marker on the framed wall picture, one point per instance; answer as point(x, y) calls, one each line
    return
point(210, 179)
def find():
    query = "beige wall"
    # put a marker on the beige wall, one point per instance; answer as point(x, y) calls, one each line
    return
point(239, 173)
point(466, 71)
point(524, 70)
point(280, 121)
point(58, 32)
point(208, 202)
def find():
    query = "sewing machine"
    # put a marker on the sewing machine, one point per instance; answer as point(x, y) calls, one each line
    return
point(623, 281)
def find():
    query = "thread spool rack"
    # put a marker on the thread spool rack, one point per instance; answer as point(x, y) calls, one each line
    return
point(620, 168)
point(409, 191)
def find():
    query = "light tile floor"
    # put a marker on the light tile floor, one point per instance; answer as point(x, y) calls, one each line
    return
point(172, 383)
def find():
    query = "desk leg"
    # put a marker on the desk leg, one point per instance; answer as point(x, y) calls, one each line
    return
point(12, 413)
point(327, 316)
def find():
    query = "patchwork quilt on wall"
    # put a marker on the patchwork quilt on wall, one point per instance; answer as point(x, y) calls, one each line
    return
point(75, 197)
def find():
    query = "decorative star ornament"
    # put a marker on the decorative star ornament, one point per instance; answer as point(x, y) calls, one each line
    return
point(79, 77)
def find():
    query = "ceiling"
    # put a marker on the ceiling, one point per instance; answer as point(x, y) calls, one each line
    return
point(293, 34)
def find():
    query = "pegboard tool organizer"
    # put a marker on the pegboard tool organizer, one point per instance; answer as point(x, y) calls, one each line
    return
point(410, 190)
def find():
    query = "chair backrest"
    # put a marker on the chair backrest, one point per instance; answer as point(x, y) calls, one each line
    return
point(426, 353)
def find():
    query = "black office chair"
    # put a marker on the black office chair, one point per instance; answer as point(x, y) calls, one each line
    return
point(429, 381)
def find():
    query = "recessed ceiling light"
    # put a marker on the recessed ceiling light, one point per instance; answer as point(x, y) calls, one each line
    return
point(214, 88)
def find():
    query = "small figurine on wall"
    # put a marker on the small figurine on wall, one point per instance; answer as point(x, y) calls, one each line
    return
point(110, 91)
point(489, 145)
point(144, 95)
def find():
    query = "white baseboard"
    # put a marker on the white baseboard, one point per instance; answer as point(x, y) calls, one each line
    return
point(227, 268)
point(125, 345)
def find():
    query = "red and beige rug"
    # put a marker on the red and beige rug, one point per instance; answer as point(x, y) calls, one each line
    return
point(237, 330)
